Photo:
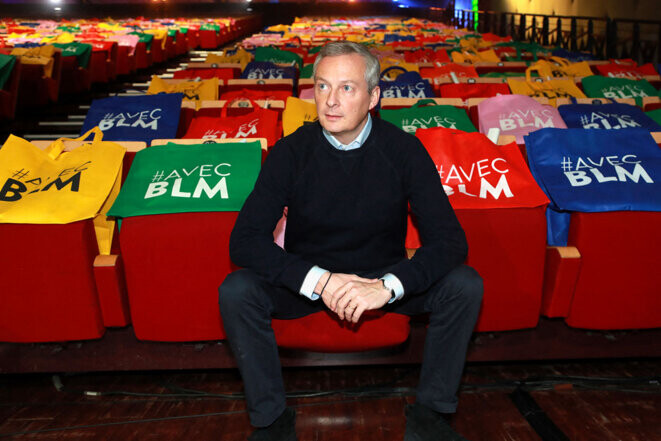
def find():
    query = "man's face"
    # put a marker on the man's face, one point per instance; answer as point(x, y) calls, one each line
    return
point(340, 92)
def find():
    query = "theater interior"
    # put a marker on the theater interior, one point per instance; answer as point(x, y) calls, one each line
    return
point(543, 119)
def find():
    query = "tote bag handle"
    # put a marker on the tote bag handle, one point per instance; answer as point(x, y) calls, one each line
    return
point(255, 107)
point(55, 149)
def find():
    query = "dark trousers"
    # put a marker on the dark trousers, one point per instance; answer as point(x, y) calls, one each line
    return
point(247, 304)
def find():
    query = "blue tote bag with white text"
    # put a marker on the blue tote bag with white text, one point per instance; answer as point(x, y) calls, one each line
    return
point(606, 116)
point(408, 84)
point(594, 171)
point(135, 118)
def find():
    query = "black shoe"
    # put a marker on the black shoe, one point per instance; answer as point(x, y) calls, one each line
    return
point(282, 429)
point(425, 424)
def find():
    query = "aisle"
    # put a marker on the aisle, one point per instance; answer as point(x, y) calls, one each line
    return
point(199, 404)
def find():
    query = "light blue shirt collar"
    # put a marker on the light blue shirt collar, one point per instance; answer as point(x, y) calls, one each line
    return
point(356, 143)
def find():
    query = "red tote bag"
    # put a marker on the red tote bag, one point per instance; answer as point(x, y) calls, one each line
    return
point(473, 90)
point(260, 123)
point(478, 174)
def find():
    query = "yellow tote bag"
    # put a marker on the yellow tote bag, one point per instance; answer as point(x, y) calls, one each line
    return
point(55, 187)
point(549, 88)
point(241, 57)
point(297, 112)
point(197, 91)
point(561, 67)
point(472, 56)
point(42, 55)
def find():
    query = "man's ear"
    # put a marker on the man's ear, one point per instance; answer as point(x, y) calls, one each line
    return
point(374, 97)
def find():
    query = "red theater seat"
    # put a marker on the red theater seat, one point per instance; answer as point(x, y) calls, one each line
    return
point(47, 283)
point(174, 264)
point(37, 90)
point(75, 79)
point(324, 332)
point(507, 247)
point(618, 283)
point(9, 95)
point(209, 39)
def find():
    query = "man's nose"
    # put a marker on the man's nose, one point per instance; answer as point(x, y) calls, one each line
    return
point(331, 98)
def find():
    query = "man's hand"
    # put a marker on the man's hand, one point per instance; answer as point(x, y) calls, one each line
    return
point(349, 296)
point(337, 280)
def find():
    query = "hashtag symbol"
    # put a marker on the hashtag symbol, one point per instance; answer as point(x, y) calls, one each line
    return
point(566, 163)
point(440, 171)
point(158, 176)
point(584, 120)
point(20, 174)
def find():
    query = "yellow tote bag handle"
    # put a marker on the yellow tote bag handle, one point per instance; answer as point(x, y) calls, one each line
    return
point(57, 146)
point(538, 67)
point(561, 61)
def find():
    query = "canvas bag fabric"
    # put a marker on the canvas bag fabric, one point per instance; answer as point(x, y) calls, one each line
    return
point(448, 71)
point(477, 174)
point(82, 52)
point(189, 178)
point(135, 118)
point(241, 56)
point(613, 116)
point(297, 112)
point(254, 94)
point(278, 56)
point(7, 63)
point(424, 116)
point(473, 90)
point(545, 88)
point(561, 67)
point(630, 71)
point(407, 85)
point(204, 73)
point(259, 123)
point(55, 187)
point(517, 115)
point(265, 70)
point(655, 115)
point(597, 86)
point(196, 91)
point(594, 171)
point(475, 57)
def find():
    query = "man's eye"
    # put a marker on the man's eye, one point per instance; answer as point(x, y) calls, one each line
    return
point(347, 88)
point(321, 86)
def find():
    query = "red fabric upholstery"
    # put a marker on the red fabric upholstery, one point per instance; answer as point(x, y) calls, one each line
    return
point(174, 264)
point(208, 39)
point(618, 285)
point(324, 332)
point(111, 288)
point(47, 283)
point(560, 275)
point(507, 248)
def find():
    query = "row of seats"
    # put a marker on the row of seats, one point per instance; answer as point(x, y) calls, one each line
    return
point(165, 270)
point(164, 280)
point(28, 87)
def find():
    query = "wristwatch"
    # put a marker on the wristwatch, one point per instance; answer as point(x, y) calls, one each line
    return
point(392, 291)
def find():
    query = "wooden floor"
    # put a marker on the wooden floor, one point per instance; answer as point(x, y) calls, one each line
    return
point(368, 403)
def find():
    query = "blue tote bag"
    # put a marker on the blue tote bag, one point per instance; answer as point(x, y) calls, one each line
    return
point(594, 171)
point(266, 70)
point(408, 84)
point(606, 116)
point(135, 118)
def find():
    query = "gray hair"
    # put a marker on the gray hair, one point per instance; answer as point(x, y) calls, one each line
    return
point(372, 67)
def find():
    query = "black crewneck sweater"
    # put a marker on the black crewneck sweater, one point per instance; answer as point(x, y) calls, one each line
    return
point(347, 211)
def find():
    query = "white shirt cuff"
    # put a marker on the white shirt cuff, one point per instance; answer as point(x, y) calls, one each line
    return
point(392, 282)
point(310, 282)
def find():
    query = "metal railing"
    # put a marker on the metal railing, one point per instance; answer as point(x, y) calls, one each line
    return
point(602, 37)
